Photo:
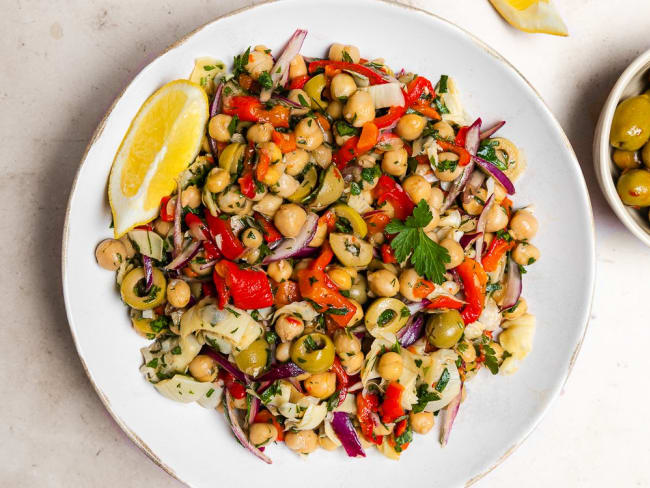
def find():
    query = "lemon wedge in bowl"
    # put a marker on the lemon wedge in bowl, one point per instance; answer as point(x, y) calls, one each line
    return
point(163, 139)
point(532, 16)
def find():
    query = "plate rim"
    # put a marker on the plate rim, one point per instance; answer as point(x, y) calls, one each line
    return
point(479, 43)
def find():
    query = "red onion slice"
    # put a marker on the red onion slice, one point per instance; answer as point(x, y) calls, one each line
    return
point(188, 253)
point(450, 416)
point(346, 433)
point(231, 416)
point(298, 246)
point(286, 370)
point(215, 108)
point(280, 71)
point(475, 181)
point(499, 175)
point(148, 272)
point(225, 364)
point(286, 101)
point(492, 130)
point(467, 239)
point(178, 215)
point(412, 331)
point(252, 411)
point(471, 144)
point(480, 227)
point(513, 285)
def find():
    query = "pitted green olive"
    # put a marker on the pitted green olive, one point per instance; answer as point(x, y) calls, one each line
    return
point(631, 124)
point(386, 315)
point(358, 225)
point(314, 88)
point(252, 360)
point(313, 352)
point(331, 188)
point(444, 330)
point(231, 155)
point(634, 187)
point(306, 186)
point(350, 250)
point(133, 289)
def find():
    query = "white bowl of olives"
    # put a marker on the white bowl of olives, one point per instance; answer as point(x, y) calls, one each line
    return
point(622, 148)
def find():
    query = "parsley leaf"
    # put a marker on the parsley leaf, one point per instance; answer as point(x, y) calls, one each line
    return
point(344, 129)
point(491, 360)
point(346, 57)
point(424, 396)
point(265, 80)
point(240, 62)
point(487, 151)
point(442, 84)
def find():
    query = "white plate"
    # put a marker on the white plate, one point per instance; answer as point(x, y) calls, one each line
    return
point(194, 444)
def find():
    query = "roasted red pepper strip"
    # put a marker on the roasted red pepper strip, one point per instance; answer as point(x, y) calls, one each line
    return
point(422, 288)
point(445, 302)
point(415, 89)
point(286, 142)
point(229, 245)
point(391, 408)
point(373, 77)
point(223, 294)
point(264, 416)
point(208, 289)
point(498, 247)
point(366, 406)
point(376, 221)
point(271, 234)
point(247, 185)
point(250, 109)
point(211, 251)
point(474, 281)
point(388, 255)
point(341, 379)
point(388, 189)
point(462, 153)
point(248, 288)
point(393, 115)
point(165, 213)
point(235, 388)
point(400, 428)
point(461, 136)
point(346, 153)
point(299, 82)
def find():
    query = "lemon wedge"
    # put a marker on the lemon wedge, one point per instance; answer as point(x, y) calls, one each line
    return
point(532, 16)
point(163, 139)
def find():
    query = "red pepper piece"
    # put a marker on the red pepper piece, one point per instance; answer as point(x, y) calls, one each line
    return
point(366, 406)
point(445, 302)
point(249, 288)
point(388, 255)
point(341, 379)
point(229, 245)
point(299, 82)
point(376, 221)
point(247, 185)
point(223, 293)
point(208, 289)
point(416, 88)
point(462, 153)
point(474, 281)
point(271, 234)
point(461, 136)
point(286, 142)
point(346, 153)
point(250, 109)
point(388, 189)
point(391, 408)
point(373, 76)
point(393, 115)
point(498, 247)
point(423, 288)
point(211, 251)
point(166, 214)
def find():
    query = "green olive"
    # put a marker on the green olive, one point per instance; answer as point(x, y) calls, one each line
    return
point(634, 187)
point(313, 352)
point(631, 124)
point(359, 288)
point(626, 159)
point(645, 155)
point(331, 188)
point(314, 88)
point(133, 286)
point(386, 315)
point(359, 226)
point(306, 186)
point(230, 156)
point(445, 329)
point(350, 250)
point(252, 360)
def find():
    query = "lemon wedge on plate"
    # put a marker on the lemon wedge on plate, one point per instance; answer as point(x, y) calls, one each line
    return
point(163, 139)
point(532, 16)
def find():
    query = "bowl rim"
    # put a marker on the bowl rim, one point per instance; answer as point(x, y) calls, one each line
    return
point(481, 44)
point(602, 152)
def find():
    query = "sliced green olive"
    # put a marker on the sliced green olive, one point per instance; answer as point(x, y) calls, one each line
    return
point(386, 315)
point(231, 155)
point(306, 186)
point(252, 360)
point(358, 225)
point(313, 352)
point(133, 289)
point(350, 250)
point(444, 330)
point(331, 188)
point(143, 327)
point(314, 88)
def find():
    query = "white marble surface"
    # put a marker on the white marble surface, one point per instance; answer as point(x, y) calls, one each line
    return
point(63, 62)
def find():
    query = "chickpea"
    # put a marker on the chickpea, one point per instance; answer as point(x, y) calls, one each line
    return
point(499, 192)
point(322, 155)
point(466, 351)
point(258, 63)
point(358, 312)
point(342, 86)
point(445, 130)
point(335, 109)
point(417, 188)
point(359, 109)
point(262, 433)
point(383, 283)
point(341, 278)
point(408, 280)
point(327, 443)
point(301, 98)
point(296, 161)
point(336, 53)
point(252, 238)
point(394, 162)
point(289, 219)
point(218, 179)
point(110, 254)
point(232, 201)
point(340, 140)
point(297, 67)
point(447, 171)
point(161, 227)
point(455, 251)
point(367, 160)
point(437, 198)
point(126, 242)
point(288, 327)
point(525, 254)
point(352, 363)
point(218, 127)
point(517, 310)
point(498, 351)
point(303, 441)
point(321, 385)
point(346, 343)
point(487, 238)
point(497, 218)
point(191, 197)
point(390, 366)
point(308, 134)
point(259, 132)
point(376, 239)
point(475, 204)
point(523, 225)
point(422, 422)
point(280, 270)
point(283, 352)
point(203, 368)
point(410, 126)
point(178, 293)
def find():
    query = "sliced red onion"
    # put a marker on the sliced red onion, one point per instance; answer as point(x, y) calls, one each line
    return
point(475, 181)
point(450, 416)
point(280, 70)
point(286, 370)
point(286, 101)
point(215, 108)
point(357, 386)
point(513, 285)
point(188, 253)
point(231, 416)
point(471, 144)
point(415, 307)
point(178, 216)
point(499, 175)
point(252, 411)
point(207, 265)
point(148, 272)
point(298, 246)
point(412, 331)
point(492, 130)
point(467, 239)
point(225, 364)
point(295, 383)
point(480, 226)
point(199, 231)
point(346, 433)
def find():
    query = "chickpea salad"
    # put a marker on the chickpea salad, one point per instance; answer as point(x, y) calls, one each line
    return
point(338, 257)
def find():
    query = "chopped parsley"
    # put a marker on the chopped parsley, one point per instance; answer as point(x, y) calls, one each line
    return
point(177, 350)
point(271, 337)
point(487, 151)
point(343, 225)
point(385, 317)
point(265, 80)
point(346, 57)
point(153, 363)
point(236, 314)
point(404, 439)
point(344, 129)
point(160, 323)
point(333, 401)
point(442, 382)
point(370, 174)
point(355, 189)
point(442, 84)
point(232, 126)
point(491, 361)
point(447, 165)
point(268, 394)
point(240, 62)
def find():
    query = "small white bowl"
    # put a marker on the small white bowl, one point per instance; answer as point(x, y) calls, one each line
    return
point(633, 81)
